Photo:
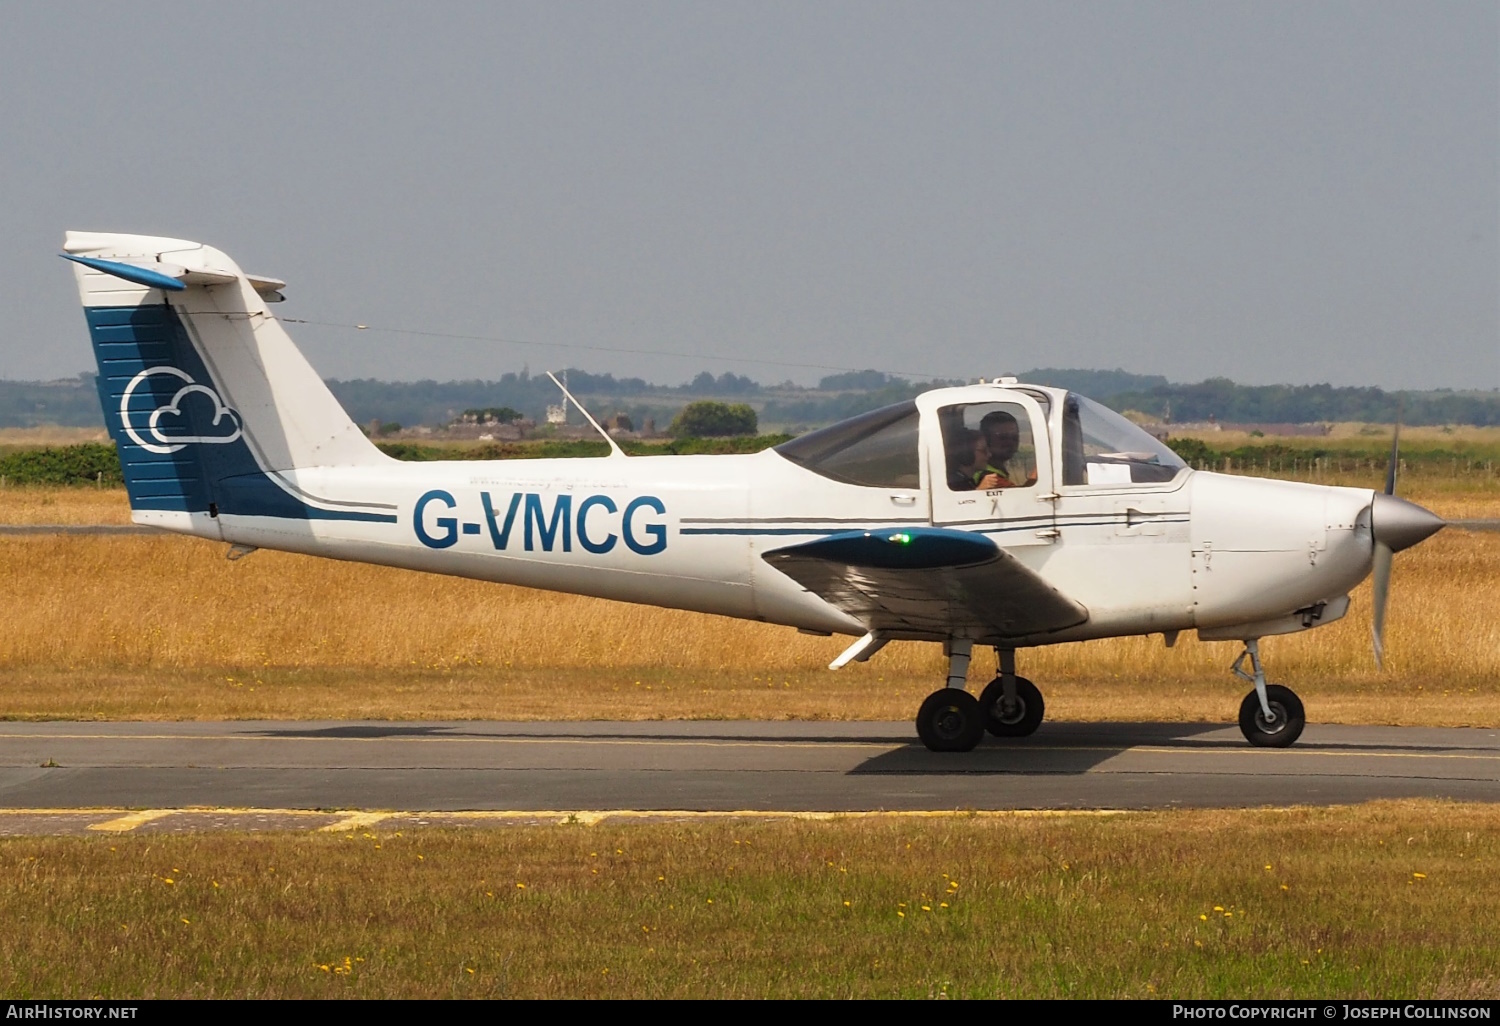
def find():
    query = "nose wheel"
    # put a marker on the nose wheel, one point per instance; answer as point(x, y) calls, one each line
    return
point(1271, 716)
point(1284, 725)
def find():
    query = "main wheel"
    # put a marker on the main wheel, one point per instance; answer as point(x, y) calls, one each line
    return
point(1022, 719)
point(949, 721)
point(1285, 729)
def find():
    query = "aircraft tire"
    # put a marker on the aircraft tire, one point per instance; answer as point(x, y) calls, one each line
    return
point(950, 721)
point(1024, 720)
point(1289, 723)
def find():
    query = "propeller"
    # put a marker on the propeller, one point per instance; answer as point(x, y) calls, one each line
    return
point(1395, 524)
point(1383, 555)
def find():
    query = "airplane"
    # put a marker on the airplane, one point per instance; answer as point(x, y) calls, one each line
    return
point(998, 514)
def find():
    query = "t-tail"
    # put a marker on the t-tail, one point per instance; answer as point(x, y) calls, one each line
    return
point(213, 408)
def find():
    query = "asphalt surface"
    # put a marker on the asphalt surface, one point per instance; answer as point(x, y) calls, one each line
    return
point(552, 768)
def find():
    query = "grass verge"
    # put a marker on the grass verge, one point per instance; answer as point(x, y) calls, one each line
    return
point(1385, 900)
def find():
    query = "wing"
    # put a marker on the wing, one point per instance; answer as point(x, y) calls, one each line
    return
point(928, 582)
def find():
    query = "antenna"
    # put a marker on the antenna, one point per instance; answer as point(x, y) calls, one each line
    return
point(614, 446)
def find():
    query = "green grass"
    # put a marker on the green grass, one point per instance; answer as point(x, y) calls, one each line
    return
point(1387, 900)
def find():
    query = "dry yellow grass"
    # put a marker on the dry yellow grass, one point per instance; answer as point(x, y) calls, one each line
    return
point(49, 435)
point(164, 627)
point(1371, 436)
point(1431, 434)
point(64, 506)
point(1460, 504)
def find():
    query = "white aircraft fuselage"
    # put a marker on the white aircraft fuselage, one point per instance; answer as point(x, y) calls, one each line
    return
point(1207, 551)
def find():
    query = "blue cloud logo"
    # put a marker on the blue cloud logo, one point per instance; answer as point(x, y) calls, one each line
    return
point(194, 415)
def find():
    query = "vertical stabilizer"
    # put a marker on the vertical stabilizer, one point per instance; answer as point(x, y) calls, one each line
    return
point(212, 406)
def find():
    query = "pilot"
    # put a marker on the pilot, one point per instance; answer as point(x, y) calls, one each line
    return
point(1001, 438)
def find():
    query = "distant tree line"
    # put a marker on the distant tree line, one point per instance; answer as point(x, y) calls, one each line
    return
point(70, 403)
point(76, 403)
point(434, 402)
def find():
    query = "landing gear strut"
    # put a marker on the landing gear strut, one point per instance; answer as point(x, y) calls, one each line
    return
point(1271, 716)
point(952, 720)
point(1012, 705)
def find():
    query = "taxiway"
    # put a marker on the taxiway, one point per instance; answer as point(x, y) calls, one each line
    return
point(718, 766)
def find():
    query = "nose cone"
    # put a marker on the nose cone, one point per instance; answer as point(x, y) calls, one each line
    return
point(1400, 524)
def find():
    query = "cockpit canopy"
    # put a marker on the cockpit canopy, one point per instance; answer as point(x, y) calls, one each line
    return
point(986, 445)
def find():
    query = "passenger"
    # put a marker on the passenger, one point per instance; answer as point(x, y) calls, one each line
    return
point(967, 455)
point(1001, 435)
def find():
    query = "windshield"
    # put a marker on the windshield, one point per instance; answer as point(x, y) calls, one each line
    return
point(1100, 447)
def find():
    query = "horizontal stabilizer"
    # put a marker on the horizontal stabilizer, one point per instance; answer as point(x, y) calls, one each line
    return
point(153, 276)
point(928, 582)
point(157, 274)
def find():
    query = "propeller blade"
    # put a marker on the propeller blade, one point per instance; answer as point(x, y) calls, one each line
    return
point(1381, 590)
point(1390, 471)
point(1382, 594)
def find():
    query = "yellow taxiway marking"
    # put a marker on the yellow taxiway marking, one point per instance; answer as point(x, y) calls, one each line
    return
point(131, 820)
point(355, 820)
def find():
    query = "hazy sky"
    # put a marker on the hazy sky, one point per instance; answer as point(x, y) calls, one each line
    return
point(1269, 191)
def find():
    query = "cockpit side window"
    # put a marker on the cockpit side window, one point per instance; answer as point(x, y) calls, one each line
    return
point(878, 449)
point(988, 446)
point(1100, 447)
